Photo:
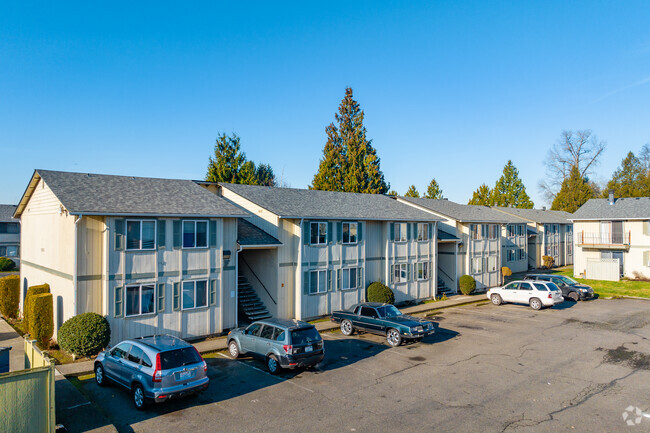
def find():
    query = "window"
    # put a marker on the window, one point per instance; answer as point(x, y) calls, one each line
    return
point(349, 233)
point(368, 312)
point(569, 247)
point(485, 231)
point(135, 355)
point(511, 255)
point(423, 271)
point(9, 228)
point(525, 286)
point(510, 232)
point(121, 350)
point(195, 294)
point(140, 300)
point(423, 231)
point(140, 234)
point(494, 231)
point(475, 231)
point(400, 273)
point(349, 278)
point(556, 250)
point(9, 251)
point(279, 334)
point(195, 234)
point(400, 232)
point(492, 263)
point(317, 282)
point(540, 287)
point(267, 332)
point(254, 329)
point(512, 286)
point(477, 265)
point(522, 254)
point(318, 233)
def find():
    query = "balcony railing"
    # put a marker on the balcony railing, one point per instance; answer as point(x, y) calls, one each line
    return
point(603, 239)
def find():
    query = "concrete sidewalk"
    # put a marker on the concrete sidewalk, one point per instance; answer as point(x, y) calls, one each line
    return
point(10, 338)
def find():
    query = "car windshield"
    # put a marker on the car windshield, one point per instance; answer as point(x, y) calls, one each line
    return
point(553, 287)
point(568, 280)
point(305, 336)
point(178, 358)
point(388, 311)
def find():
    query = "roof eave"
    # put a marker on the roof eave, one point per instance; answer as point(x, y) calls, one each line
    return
point(155, 214)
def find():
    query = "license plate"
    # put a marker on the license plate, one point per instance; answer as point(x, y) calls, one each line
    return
point(183, 375)
point(309, 349)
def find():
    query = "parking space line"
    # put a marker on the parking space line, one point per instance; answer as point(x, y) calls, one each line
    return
point(279, 379)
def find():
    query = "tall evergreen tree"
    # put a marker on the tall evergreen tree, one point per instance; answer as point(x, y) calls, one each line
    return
point(482, 196)
point(630, 179)
point(510, 190)
point(228, 160)
point(265, 175)
point(433, 190)
point(248, 174)
point(349, 161)
point(412, 192)
point(393, 193)
point(574, 192)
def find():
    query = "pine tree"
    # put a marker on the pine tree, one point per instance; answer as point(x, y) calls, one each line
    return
point(630, 179)
point(393, 193)
point(574, 192)
point(482, 196)
point(228, 160)
point(265, 175)
point(349, 161)
point(412, 192)
point(433, 190)
point(510, 190)
point(248, 174)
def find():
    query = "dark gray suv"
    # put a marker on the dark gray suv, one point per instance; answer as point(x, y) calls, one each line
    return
point(154, 368)
point(280, 343)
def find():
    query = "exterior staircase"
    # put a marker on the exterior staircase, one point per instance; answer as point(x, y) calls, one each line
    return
point(250, 305)
point(443, 289)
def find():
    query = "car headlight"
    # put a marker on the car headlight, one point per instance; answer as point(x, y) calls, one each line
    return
point(418, 329)
point(582, 289)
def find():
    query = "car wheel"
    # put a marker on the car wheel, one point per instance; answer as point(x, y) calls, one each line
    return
point(272, 364)
point(346, 327)
point(100, 376)
point(496, 299)
point(393, 337)
point(535, 304)
point(233, 348)
point(139, 399)
point(574, 296)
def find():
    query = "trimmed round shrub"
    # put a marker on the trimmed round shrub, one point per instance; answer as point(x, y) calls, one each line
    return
point(467, 284)
point(85, 335)
point(32, 291)
point(548, 261)
point(10, 296)
point(41, 322)
point(378, 292)
point(6, 264)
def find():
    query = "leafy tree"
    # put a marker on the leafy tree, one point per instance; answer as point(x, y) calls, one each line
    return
point(412, 192)
point(393, 193)
point(630, 179)
point(265, 175)
point(349, 161)
point(230, 165)
point(510, 190)
point(248, 174)
point(433, 190)
point(575, 192)
point(482, 196)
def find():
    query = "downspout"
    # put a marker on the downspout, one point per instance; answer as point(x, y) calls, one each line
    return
point(237, 251)
point(297, 308)
point(74, 270)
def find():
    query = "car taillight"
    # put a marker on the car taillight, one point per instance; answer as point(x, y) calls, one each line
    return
point(157, 373)
point(288, 348)
point(205, 365)
point(550, 296)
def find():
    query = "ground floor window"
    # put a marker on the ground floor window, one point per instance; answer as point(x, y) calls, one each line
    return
point(349, 278)
point(140, 299)
point(522, 254)
point(423, 271)
point(9, 251)
point(491, 263)
point(195, 294)
point(317, 282)
point(477, 265)
point(511, 254)
point(399, 273)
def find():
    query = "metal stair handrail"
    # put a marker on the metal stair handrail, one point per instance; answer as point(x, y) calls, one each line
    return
point(257, 278)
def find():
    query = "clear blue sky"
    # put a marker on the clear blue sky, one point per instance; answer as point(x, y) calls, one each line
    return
point(450, 89)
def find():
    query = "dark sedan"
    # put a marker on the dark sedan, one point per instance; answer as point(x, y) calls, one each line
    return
point(570, 288)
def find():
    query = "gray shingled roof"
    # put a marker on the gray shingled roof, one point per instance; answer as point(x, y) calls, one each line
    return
point(623, 208)
point(537, 215)
point(100, 194)
point(7, 212)
point(464, 212)
point(444, 236)
point(250, 235)
point(304, 203)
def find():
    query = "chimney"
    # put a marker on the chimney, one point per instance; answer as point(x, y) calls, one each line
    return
point(611, 196)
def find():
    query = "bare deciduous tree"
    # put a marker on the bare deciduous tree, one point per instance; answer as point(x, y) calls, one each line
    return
point(644, 156)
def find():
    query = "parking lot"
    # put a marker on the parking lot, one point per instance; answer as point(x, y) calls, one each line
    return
point(575, 367)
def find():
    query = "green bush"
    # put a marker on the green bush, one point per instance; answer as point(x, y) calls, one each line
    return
point(85, 335)
point(41, 318)
point(548, 261)
point(378, 292)
point(6, 264)
point(10, 296)
point(467, 284)
point(32, 291)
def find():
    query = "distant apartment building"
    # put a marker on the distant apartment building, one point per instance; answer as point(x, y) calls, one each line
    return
point(9, 233)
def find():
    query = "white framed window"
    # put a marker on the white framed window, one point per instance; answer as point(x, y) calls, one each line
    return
point(511, 255)
point(569, 247)
point(9, 251)
point(485, 231)
point(140, 234)
point(140, 299)
point(318, 233)
point(510, 231)
point(349, 278)
point(400, 232)
point(350, 233)
point(494, 231)
point(475, 232)
point(195, 234)
point(9, 228)
point(195, 294)
point(556, 250)
point(423, 271)
point(399, 273)
point(317, 282)
point(522, 254)
point(423, 231)
point(491, 263)
point(477, 265)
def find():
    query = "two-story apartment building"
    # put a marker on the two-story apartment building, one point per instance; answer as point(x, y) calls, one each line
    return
point(152, 255)
point(612, 230)
point(9, 233)
point(333, 245)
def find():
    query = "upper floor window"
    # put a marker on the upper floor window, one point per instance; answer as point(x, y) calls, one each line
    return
point(318, 233)
point(494, 231)
point(349, 278)
point(400, 232)
point(9, 228)
point(423, 231)
point(520, 229)
point(140, 234)
point(317, 282)
point(195, 234)
point(195, 294)
point(484, 231)
point(349, 233)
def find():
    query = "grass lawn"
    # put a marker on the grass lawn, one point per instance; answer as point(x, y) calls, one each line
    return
point(609, 289)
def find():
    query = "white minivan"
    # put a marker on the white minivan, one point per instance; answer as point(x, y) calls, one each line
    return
point(537, 294)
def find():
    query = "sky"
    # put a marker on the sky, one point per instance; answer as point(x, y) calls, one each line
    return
point(450, 89)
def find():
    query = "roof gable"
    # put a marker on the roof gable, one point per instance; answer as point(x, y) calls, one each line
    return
point(537, 215)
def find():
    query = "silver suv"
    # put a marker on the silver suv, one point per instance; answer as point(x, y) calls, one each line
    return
point(280, 343)
point(154, 368)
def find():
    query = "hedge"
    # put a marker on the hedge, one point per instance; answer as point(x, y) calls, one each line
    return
point(41, 322)
point(467, 284)
point(6, 264)
point(10, 296)
point(32, 291)
point(378, 292)
point(84, 335)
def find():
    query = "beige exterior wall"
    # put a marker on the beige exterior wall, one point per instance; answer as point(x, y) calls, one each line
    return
point(262, 218)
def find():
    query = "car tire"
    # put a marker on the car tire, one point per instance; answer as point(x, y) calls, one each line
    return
point(139, 400)
point(233, 349)
point(574, 296)
point(496, 299)
point(535, 304)
point(272, 364)
point(100, 374)
point(393, 337)
point(346, 328)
